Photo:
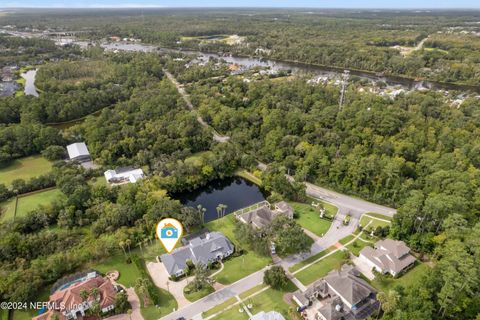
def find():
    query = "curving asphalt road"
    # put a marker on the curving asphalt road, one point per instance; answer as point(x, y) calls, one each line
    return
point(346, 205)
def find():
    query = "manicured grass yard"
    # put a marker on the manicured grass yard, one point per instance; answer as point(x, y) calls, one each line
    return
point(129, 275)
point(128, 271)
point(347, 239)
point(412, 276)
point(357, 246)
point(168, 304)
point(321, 268)
point(310, 259)
point(238, 267)
point(266, 301)
point(219, 308)
point(25, 168)
point(33, 201)
point(309, 218)
point(195, 295)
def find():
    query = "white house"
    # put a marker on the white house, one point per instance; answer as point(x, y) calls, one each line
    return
point(388, 256)
point(123, 175)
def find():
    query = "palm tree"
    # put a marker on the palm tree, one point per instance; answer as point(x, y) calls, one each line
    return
point(201, 211)
point(141, 286)
point(219, 210)
point(84, 294)
point(224, 209)
point(122, 245)
point(94, 293)
point(128, 243)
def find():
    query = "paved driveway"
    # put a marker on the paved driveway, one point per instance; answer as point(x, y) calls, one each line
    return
point(160, 276)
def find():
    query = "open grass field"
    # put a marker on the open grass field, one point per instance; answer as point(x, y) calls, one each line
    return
point(414, 275)
point(238, 267)
point(321, 268)
point(347, 239)
point(33, 201)
point(309, 218)
point(24, 168)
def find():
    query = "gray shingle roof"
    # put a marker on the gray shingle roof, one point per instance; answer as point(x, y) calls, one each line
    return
point(348, 285)
point(389, 255)
point(202, 249)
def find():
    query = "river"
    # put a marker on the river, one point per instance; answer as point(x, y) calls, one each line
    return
point(29, 77)
point(235, 193)
point(297, 67)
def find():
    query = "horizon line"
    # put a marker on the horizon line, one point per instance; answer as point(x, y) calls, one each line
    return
point(128, 6)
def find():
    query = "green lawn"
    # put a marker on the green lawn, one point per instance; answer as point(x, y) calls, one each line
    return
point(195, 295)
point(219, 307)
point(266, 301)
point(24, 168)
point(168, 304)
point(347, 239)
point(310, 259)
point(321, 268)
point(378, 215)
point(129, 275)
point(248, 176)
point(374, 223)
point(33, 201)
point(29, 314)
point(128, 271)
point(238, 267)
point(412, 276)
point(251, 291)
point(7, 210)
point(357, 246)
point(309, 218)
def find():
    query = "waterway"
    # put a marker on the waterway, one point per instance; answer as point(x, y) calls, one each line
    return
point(29, 77)
point(235, 193)
point(298, 67)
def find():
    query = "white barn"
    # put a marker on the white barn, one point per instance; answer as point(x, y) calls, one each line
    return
point(78, 151)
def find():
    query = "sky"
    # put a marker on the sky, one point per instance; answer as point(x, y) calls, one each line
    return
point(438, 4)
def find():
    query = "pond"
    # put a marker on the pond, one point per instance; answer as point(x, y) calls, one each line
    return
point(235, 193)
point(29, 77)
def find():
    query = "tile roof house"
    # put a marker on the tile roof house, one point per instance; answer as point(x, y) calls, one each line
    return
point(388, 256)
point(203, 249)
point(344, 295)
point(261, 216)
point(69, 303)
point(272, 315)
point(78, 151)
point(123, 175)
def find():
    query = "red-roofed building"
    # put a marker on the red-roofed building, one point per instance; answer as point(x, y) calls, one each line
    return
point(69, 304)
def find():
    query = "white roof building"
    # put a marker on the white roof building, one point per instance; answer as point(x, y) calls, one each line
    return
point(123, 175)
point(78, 151)
point(272, 315)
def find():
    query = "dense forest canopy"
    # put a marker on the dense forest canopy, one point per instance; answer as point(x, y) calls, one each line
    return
point(416, 151)
point(365, 40)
